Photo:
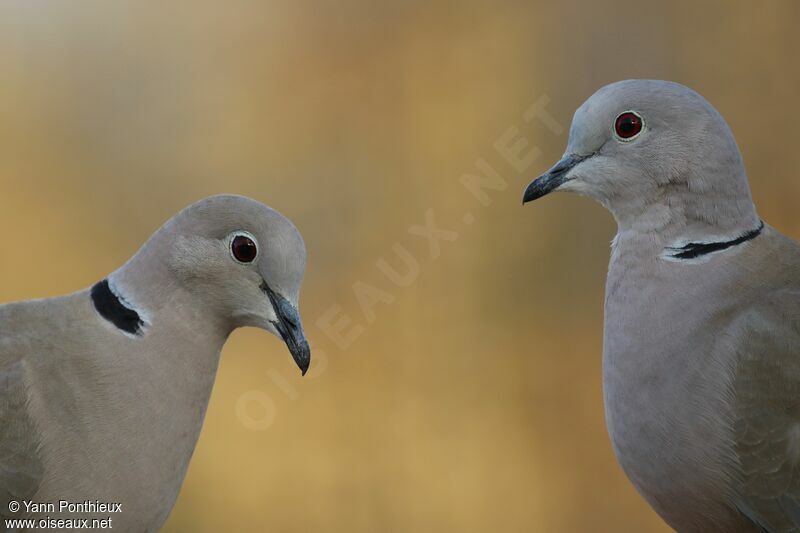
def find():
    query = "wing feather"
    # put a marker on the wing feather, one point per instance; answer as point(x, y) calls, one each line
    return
point(767, 412)
point(21, 468)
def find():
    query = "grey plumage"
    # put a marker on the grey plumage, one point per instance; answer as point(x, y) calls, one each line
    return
point(701, 355)
point(89, 411)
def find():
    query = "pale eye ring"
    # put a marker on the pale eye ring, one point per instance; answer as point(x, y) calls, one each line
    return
point(628, 125)
point(243, 247)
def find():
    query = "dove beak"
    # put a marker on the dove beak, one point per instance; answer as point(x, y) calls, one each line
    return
point(553, 178)
point(291, 330)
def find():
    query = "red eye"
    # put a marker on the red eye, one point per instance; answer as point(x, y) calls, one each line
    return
point(243, 249)
point(628, 125)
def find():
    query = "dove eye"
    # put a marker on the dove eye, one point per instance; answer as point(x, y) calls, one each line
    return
point(243, 247)
point(628, 125)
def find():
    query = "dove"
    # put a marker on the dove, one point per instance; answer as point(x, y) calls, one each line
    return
point(103, 392)
point(701, 344)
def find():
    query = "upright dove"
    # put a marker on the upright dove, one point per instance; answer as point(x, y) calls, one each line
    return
point(103, 392)
point(701, 351)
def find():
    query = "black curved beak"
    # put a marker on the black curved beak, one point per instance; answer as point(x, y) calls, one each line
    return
point(553, 178)
point(291, 330)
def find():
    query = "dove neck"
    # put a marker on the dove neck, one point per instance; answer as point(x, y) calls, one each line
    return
point(148, 287)
point(689, 211)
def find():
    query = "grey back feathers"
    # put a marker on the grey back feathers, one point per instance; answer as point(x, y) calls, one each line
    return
point(21, 466)
point(701, 356)
point(103, 392)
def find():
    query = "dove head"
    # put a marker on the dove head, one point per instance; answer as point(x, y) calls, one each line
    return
point(235, 261)
point(659, 157)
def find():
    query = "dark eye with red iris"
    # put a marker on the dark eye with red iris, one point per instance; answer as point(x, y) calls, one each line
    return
point(628, 125)
point(243, 249)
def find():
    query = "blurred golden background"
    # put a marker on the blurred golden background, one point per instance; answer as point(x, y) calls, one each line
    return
point(468, 399)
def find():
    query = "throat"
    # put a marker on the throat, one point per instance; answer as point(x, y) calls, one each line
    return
point(116, 310)
point(696, 250)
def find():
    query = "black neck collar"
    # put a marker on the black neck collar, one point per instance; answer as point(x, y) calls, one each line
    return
point(114, 310)
point(697, 249)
